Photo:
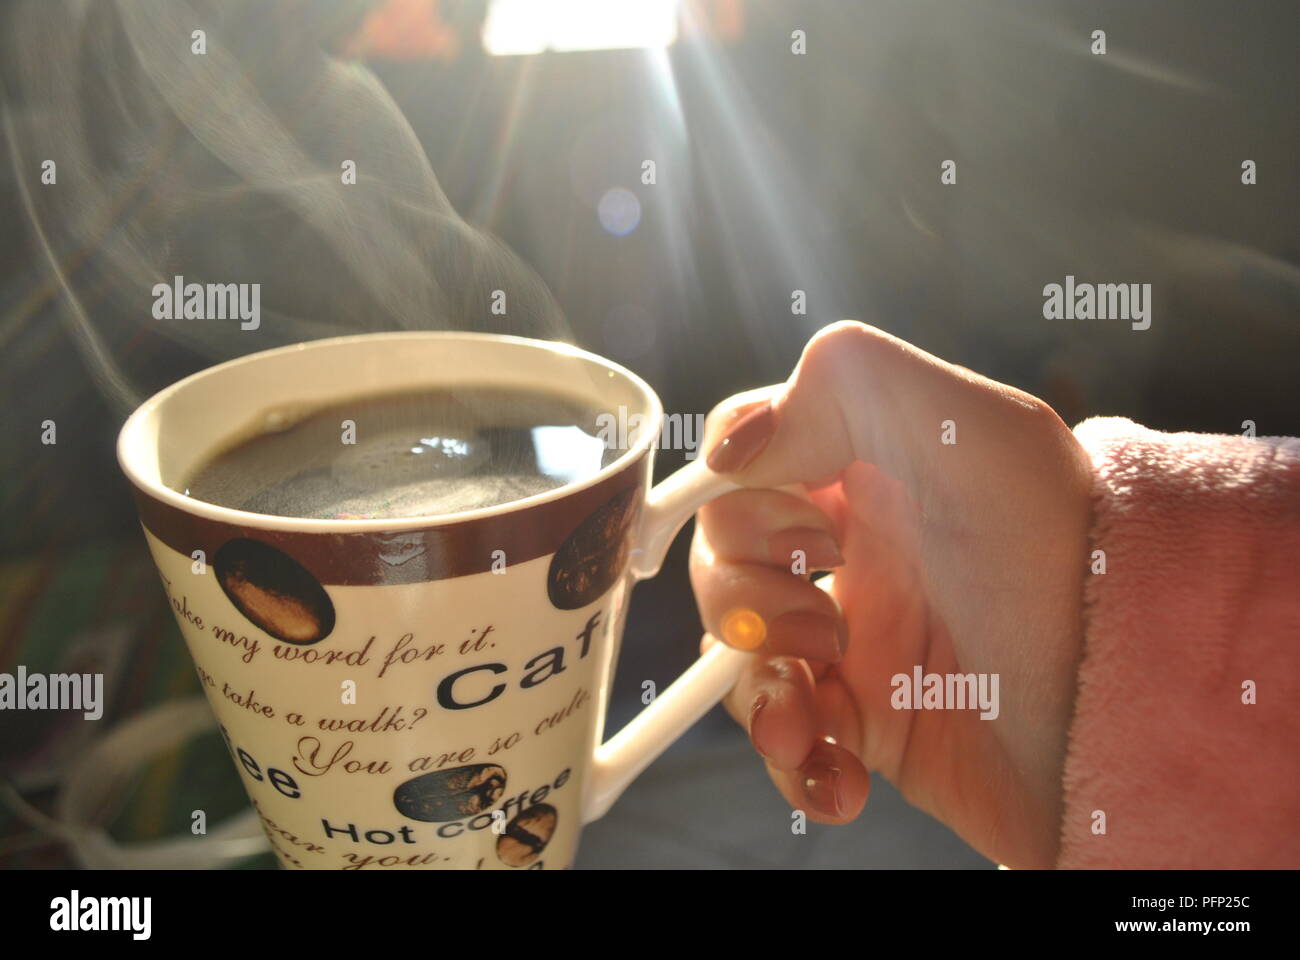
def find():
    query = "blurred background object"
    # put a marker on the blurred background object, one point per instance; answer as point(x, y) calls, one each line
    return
point(674, 179)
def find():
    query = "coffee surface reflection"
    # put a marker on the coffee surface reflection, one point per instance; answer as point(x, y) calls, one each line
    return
point(410, 454)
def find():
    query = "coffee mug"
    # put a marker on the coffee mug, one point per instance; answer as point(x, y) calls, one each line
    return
point(430, 692)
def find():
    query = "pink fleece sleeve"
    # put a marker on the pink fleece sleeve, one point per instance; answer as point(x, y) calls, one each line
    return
point(1199, 602)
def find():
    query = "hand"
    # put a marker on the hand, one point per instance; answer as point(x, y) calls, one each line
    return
point(960, 557)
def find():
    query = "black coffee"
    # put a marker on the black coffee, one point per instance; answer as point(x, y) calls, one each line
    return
point(410, 454)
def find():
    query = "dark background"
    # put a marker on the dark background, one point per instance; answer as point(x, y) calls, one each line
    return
point(775, 172)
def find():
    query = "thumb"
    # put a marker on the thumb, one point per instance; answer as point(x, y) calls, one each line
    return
point(859, 393)
point(805, 430)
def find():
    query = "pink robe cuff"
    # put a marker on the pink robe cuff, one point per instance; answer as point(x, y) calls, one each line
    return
point(1196, 615)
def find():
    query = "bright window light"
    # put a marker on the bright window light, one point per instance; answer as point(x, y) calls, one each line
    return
point(532, 26)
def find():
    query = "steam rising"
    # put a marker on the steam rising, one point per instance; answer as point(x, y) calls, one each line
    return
point(226, 167)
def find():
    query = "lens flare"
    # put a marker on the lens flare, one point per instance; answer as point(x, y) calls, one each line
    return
point(744, 629)
point(619, 211)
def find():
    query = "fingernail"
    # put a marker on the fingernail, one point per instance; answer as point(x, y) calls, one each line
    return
point(818, 548)
point(755, 712)
point(802, 633)
point(744, 441)
point(821, 784)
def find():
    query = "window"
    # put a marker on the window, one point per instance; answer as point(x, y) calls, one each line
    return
point(532, 26)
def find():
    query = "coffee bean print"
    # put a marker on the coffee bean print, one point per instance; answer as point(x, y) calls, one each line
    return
point(274, 591)
point(590, 561)
point(451, 794)
point(527, 835)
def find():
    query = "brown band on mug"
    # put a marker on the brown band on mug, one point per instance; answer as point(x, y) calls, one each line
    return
point(453, 549)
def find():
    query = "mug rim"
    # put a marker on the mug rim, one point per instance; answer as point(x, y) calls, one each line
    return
point(266, 521)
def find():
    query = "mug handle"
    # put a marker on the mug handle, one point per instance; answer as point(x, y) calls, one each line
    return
point(619, 760)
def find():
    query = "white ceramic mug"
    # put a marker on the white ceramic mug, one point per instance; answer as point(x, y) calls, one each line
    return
point(427, 692)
